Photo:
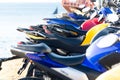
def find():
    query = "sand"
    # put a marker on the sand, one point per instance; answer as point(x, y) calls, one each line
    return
point(10, 69)
point(112, 74)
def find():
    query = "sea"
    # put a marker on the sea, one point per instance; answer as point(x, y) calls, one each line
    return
point(14, 15)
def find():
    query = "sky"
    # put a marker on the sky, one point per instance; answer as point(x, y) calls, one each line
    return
point(30, 0)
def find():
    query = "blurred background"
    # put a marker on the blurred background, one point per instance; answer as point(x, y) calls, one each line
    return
point(14, 14)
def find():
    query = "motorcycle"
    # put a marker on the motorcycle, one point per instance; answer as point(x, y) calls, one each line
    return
point(74, 18)
point(105, 11)
point(100, 56)
point(60, 42)
point(83, 24)
point(68, 39)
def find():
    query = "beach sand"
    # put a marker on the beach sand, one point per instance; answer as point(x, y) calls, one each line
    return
point(10, 69)
point(112, 74)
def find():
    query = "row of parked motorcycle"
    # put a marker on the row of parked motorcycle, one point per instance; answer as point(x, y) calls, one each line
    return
point(71, 47)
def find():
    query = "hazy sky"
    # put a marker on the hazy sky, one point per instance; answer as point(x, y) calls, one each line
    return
point(30, 0)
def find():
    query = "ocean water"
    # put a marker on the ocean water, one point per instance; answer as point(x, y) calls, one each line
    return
point(14, 15)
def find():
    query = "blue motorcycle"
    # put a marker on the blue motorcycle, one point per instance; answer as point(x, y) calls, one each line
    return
point(100, 56)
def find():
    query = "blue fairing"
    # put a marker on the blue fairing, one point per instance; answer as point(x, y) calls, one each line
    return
point(105, 11)
point(94, 54)
point(90, 65)
point(76, 16)
point(41, 58)
point(118, 11)
point(62, 21)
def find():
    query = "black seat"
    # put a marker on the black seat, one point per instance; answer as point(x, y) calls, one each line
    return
point(67, 60)
point(70, 41)
point(57, 44)
point(42, 47)
point(23, 29)
point(53, 28)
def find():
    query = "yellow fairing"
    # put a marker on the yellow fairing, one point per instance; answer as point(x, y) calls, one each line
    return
point(34, 37)
point(92, 32)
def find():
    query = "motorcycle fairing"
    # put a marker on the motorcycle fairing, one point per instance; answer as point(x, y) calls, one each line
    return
point(88, 24)
point(100, 53)
point(105, 11)
point(92, 32)
point(44, 60)
point(83, 72)
point(52, 59)
point(110, 60)
point(107, 41)
point(71, 73)
point(61, 21)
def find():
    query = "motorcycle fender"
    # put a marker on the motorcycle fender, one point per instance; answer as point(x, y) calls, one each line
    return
point(72, 73)
point(92, 33)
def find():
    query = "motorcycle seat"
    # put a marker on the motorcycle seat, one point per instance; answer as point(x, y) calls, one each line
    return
point(42, 47)
point(23, 29)
point(67, 60)
point(58, 44)
point(53, 28)
point(70, 41)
